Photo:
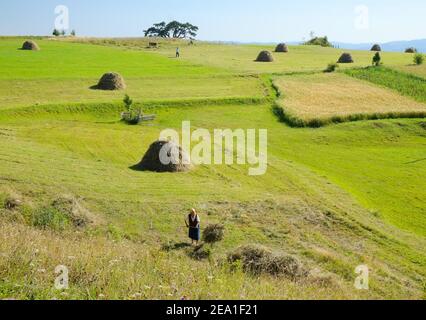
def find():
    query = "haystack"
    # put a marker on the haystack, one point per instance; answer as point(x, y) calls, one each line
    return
point(111, 81)
point(282, 47)
point(376, 47)
point(259, 260)
point(164, 156)
point(346, 58)
point(411, 50)
point(30, 45)
point(265, 56)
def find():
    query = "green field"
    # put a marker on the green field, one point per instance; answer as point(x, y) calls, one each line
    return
point(334, 197)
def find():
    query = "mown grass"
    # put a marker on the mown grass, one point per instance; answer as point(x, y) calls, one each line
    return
point(321, 99)
point(59, 73)
point(240, 58)
point(404, 83)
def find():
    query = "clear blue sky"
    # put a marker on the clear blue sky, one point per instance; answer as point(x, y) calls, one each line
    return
point(227, 20)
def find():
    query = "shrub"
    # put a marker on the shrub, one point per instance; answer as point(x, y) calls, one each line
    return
point(319, 41)
point(129, 116)
point(377, 59)
point(258, 260)
point(213, 233)
point(48, 217)
point(331, 67)
point(419, 59)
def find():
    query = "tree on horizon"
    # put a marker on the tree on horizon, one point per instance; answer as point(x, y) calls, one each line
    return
point(174, 29)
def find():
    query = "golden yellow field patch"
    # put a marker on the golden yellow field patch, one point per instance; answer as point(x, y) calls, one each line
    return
point(323, 96)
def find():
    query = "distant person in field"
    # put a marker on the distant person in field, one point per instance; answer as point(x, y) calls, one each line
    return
point(177, 52)
point(193, 224)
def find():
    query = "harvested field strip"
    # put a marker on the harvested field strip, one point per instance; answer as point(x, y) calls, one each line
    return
point(321, 99)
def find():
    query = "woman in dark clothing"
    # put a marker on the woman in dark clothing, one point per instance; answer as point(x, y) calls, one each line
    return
point(193, 223)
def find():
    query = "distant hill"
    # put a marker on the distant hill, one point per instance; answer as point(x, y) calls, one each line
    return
point(396, 46)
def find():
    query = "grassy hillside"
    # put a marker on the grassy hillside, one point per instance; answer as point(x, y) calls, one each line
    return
point(241, 58)
point(64, 72)
point(334, 197)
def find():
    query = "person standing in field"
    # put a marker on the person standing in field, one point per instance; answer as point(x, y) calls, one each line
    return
point(177, 52)
point(193, 224)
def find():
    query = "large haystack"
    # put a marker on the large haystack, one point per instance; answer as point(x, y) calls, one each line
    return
point(376, 47)
point(30, 45)
point(265, 56)
point(164, 156)
point(411, 50)
point(346, 58)
point(282, 47)
point(111, 81)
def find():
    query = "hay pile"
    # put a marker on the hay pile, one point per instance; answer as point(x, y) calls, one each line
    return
point(30, 45)
point(265, 56)
point(111, 81)
point(282, 47)
point(79, 216)
point(11, 203)
point(411, 50)
point(376, 47)
point(170, 151)
point(258, 260)
point(346, 58)
point(213, 233)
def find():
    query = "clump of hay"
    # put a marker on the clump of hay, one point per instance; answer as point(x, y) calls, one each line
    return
point(30, 45)
point(11, 203)
point(376, 47)
point(200, 253)
point(265, 56)
point(258, 260)
point(411, 50)
point(73, 210)
point(346, 58)
point(175, 159)
point(282, 47)
point(111, 81)
point(213, 233)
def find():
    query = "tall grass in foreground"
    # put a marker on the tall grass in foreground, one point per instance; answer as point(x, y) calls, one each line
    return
point(406, 84)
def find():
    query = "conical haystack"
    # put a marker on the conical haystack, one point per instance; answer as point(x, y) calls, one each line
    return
point(265, 56)
point(111, 81)
point(346, 58)
point(30, 45)
point(282, 47)
point(165, 156)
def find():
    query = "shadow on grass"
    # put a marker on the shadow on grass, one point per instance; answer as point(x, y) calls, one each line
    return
point(175, 246)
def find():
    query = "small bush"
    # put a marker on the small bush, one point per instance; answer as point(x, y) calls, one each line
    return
point(213, 233)
point(331, 67)
point(130, 116)
point(258, 260)
point(418, 59)
point(48, 217)
point(377, 59)
point(319, 41)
